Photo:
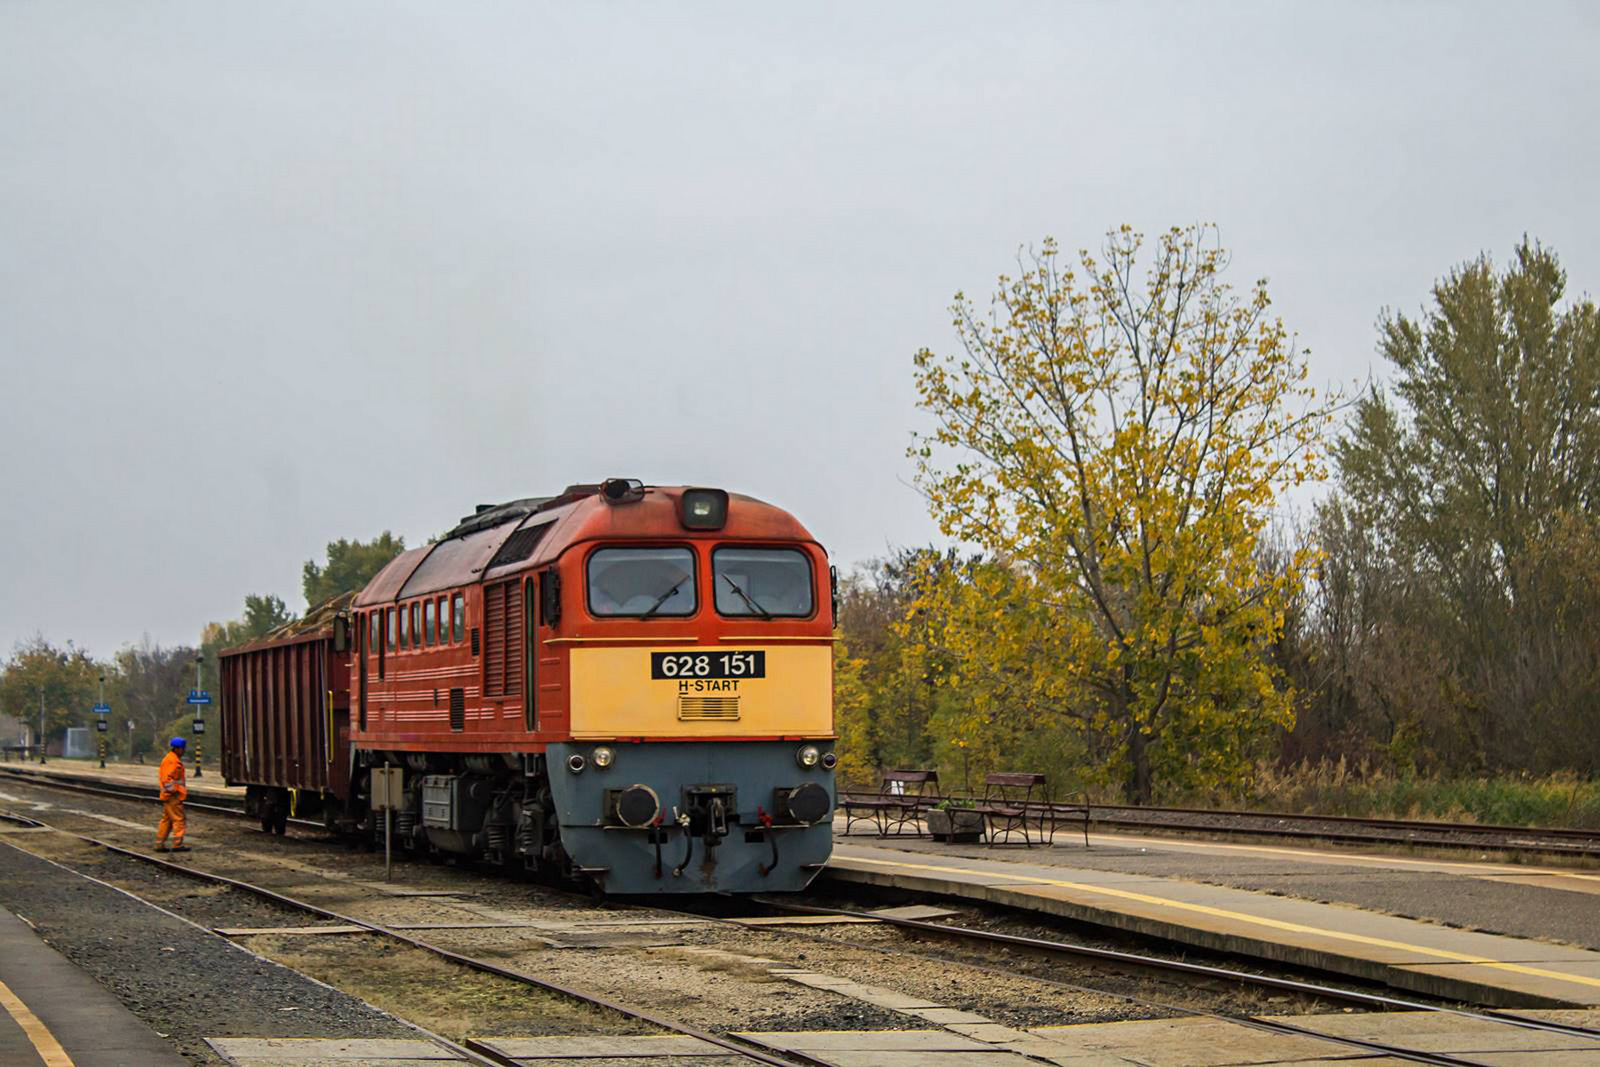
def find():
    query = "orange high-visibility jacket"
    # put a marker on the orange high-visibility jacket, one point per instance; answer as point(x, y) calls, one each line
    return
point(172, 775)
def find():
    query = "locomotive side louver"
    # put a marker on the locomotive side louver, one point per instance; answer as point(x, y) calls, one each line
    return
point(520, 545)
point(458, 709)
point(502, 636)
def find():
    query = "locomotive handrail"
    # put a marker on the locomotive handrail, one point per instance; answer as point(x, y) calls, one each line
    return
point(778, 637)
point(618, 640)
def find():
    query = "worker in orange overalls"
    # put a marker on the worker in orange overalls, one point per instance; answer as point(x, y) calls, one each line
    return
point(173, 794)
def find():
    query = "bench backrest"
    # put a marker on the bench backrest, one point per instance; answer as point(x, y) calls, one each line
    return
point(1011, 778)
point(910, 783)
point(1012, 787)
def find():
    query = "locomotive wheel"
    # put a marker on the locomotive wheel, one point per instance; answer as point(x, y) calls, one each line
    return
point(280, 819)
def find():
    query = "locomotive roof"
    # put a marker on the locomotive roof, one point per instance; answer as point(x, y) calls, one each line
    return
point(505, 538)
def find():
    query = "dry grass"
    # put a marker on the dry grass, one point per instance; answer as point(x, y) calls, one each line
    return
point(434, 993)
point(1340, 788)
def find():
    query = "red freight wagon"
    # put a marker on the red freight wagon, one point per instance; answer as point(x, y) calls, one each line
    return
point(285, 706)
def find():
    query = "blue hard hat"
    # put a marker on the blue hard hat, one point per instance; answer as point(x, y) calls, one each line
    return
point(178, 742)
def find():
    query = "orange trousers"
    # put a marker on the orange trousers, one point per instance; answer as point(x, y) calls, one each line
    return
point(171, 820)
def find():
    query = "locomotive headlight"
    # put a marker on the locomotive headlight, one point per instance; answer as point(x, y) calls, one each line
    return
point(829, 761)
point(603, 756)
point(576, 763)
point(703, 509)
point(808, 756)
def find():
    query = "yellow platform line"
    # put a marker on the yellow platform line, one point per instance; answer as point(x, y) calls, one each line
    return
point(1223, 913)
point(44, 1042)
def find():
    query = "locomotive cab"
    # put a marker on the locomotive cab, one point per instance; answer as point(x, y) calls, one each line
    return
point(701, 731)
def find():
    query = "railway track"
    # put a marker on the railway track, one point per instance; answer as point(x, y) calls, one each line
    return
point(1206, 972)
point(1355, 829)
point(921, 929)
point(1351, 829)
point(1347, 829)
point(480, 1052)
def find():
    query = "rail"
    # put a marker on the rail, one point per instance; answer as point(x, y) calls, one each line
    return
point(1113, 957)
point(474, 963)
point(1208, 972)
point(1354, 829)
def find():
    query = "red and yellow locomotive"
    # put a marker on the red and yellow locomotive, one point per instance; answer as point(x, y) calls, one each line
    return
point(626, 683)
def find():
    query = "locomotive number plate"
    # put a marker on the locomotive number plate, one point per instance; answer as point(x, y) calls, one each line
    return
point(708, 665)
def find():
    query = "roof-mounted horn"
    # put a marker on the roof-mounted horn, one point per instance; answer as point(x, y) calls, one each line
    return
point(621, 490)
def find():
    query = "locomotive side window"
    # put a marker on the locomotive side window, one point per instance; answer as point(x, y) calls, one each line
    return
point(642, 582)
point(442, 605)
point(405, 629)
point(458, 617)
point(375, 622)
point(764, 582)
point(430, 635)
point(416, 625)
point(390, 612)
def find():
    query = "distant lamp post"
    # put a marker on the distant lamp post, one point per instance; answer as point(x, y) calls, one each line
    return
point(199, 713)
point(100, 723)
point(41, 723)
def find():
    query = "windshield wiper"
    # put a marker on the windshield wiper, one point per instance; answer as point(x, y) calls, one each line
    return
point(763, 612)
point(664, 597)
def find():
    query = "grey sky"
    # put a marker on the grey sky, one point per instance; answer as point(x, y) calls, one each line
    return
point(272, 274)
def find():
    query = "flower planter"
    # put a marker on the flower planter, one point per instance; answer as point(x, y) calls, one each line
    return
point(955, 825)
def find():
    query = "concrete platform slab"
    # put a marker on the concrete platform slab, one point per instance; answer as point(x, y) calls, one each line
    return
point(1404, 953)
point(330, 1052)
point(890, 1048)
point(55, 1014)
point(629, 1061)
point(1202, 1042)
point(1189, 1042)
point(642, 1046)
point(868, 1041)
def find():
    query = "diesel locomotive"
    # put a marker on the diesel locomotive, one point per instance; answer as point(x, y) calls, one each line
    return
point(626, 684)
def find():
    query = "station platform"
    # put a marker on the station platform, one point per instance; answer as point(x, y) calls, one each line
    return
point(1110, 885)
point(52, 1013)
point(208, 786)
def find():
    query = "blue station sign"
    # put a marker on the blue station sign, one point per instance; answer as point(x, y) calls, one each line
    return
point(101, 709)
point(199, 696)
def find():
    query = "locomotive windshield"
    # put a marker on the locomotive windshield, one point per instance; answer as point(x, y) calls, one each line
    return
point(764, 582)
point(642, 582)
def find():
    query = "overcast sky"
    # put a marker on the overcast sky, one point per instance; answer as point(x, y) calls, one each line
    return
point(272, 274)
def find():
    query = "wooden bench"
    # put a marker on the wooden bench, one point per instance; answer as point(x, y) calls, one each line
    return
point(1012, 800)
point(898, 803)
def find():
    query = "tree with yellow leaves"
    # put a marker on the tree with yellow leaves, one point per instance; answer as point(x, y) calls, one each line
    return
point(1115, 440)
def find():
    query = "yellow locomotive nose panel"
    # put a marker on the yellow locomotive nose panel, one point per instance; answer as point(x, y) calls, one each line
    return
point(702, 692)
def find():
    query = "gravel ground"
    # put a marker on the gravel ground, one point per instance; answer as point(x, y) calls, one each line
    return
point(396, 978)
point(185, 983)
